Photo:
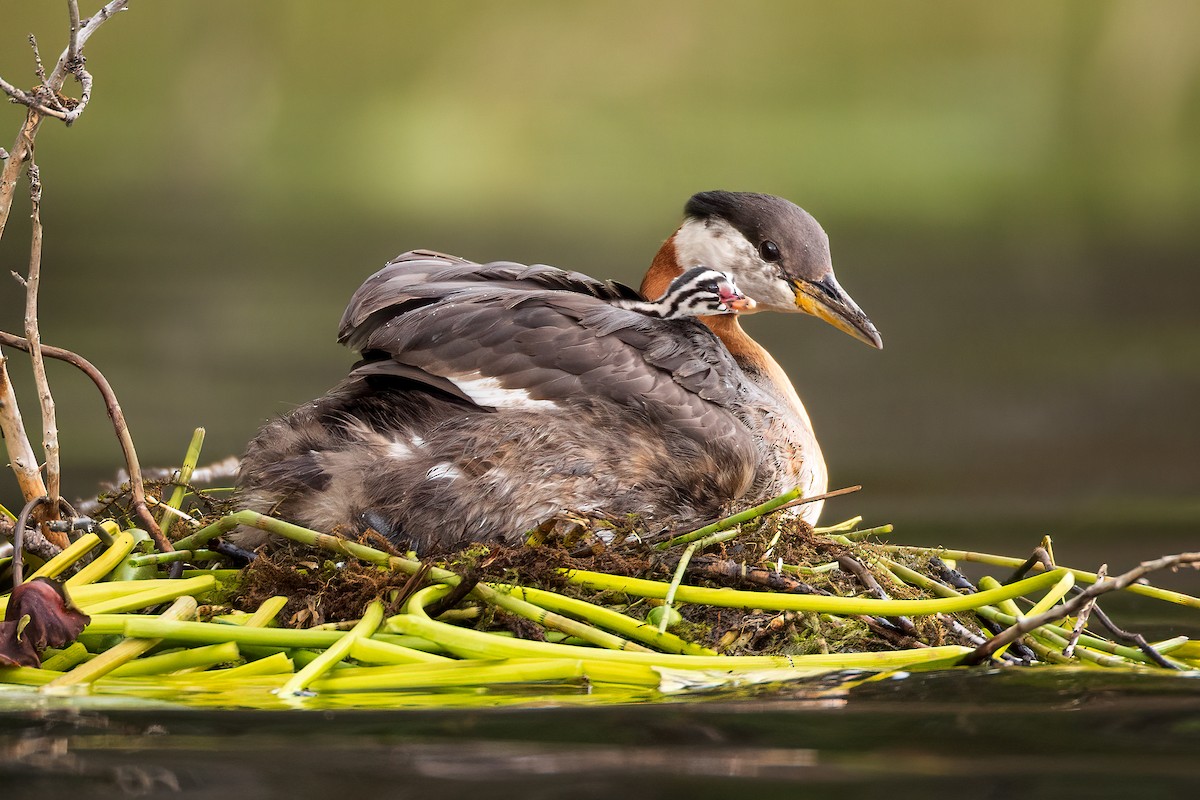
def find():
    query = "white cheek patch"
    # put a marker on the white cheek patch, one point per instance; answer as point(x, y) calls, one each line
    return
point(399, 450)
point(717, 244)
point(489, 392)
point(712, 243)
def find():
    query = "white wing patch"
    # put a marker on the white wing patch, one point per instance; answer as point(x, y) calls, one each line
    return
point(489, 392)
point(443, 471)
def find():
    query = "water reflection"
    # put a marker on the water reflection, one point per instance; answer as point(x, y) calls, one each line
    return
point(1034, 732)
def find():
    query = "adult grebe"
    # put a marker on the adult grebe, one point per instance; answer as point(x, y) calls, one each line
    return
point(493, 396)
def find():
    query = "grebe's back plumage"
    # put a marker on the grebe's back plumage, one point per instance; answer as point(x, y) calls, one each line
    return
point(493, 396)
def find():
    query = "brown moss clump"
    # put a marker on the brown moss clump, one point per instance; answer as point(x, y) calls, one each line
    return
point(319, 589)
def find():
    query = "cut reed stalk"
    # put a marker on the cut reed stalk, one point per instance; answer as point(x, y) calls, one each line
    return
point(110, 659)
point(64, 560)
point(190, 459)
point(106, 562)
point(340, 649)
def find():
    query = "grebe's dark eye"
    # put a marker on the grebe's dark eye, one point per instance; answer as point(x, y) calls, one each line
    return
point(709, 286)
point(770, 251)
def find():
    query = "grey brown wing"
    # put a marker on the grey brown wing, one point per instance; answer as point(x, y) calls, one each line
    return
point(506, 348)
point(407, 280)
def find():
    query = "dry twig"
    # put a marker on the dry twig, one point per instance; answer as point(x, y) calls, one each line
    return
point(1072, 606)
point(46, 400)
point(69, 63)
point(1082, 618)
point(136, 484)
point(868, 580)
point(45, 100)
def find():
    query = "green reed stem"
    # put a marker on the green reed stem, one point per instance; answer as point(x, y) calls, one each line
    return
point(1013, 563)
point(131, 648)
point(735, 519)
point(158, 559)
point(190, 459)
point(372, 619)
point(190, 658)
point(607, 618)
point(771, 601)
point(61, 562)
point(106, 562)
point(152, 596)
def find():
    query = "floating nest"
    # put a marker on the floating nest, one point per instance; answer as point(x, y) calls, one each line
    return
point(586, 605)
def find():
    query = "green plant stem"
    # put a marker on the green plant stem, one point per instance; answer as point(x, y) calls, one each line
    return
point(190, 658)
point(1013, 563)
point(676, 578)
point(106, 562)
point(487, 673)
point(66, 658)
point(881, 530)
point(340, 649)
point(106, 662)
point(151, 597)
point(265, 614)
point(735, 519)
point(607, 618)
point(61, 562)
point(190, 459)
point(139, 626)
point(158, 559)
point(380, 651)
point(769, 601)
point(820, 569)
point(840, 527)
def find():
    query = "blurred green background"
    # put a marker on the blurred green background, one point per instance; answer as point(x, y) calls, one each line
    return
point(1012, 193)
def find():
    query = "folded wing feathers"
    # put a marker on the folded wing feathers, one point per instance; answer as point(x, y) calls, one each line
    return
point(549, 332)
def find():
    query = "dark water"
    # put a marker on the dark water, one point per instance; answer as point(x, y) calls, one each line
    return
point(1022, 733)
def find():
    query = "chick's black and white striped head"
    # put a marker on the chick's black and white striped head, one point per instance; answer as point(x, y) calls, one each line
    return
point(698, 292)
point(775, 250)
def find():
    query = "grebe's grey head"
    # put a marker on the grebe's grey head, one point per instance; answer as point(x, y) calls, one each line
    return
point(777, 252)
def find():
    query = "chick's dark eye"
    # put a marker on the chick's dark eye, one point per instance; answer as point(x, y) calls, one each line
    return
point(709, 286)
point(770, 251)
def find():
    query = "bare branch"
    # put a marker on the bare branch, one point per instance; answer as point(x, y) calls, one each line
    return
point(799, 501)
point(65, 64)
point(85, 94)
point(73, 44)
point(69, 63)
point(37, 61)
point(1082, 617)
point(28, 538)
point(117, 416)
point(49, 421)
point(1027, 624)
point(20, 454)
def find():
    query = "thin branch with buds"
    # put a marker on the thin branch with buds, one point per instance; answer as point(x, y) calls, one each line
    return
point(46, 100)
point(32, 282)
point(69, 63)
